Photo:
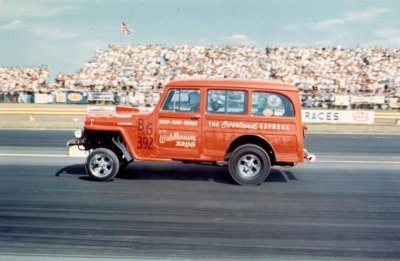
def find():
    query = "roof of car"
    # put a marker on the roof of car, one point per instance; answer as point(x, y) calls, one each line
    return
point(232, 83)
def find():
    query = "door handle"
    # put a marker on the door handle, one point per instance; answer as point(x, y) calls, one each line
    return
point(198, 116)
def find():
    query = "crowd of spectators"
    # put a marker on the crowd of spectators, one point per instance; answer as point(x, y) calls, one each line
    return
point(138, 73)
point(20, 84)
point(147, 68)
point(323, 73)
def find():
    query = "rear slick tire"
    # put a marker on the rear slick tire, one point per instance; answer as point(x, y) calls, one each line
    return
point(249, 165)
point(102, 164)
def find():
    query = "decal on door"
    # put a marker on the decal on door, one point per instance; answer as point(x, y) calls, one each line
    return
point(178, 139)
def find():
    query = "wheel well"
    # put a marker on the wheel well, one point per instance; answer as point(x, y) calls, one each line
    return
point(110, 140)
point(251, 139)
point(100, 139)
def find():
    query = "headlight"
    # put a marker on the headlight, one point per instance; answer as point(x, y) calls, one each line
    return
point(78, 133)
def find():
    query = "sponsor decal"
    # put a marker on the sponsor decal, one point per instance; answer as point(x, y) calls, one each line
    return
point(173, 136)
point(188, 123)
point(180, 140)
point(274, 101)
point(125, 123)
point(100, 115)
point(123, 116)
point(360, 116)
point(249, 126)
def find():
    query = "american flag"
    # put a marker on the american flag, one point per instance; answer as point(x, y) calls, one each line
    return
point(125, 30)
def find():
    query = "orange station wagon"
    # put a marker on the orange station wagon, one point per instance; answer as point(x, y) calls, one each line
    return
point(246, 125)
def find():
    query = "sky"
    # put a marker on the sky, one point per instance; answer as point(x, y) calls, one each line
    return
point(64, 34)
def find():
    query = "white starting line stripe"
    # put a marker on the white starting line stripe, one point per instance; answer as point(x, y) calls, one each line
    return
point(33, 155)
point(358, 161)
point(318, 161)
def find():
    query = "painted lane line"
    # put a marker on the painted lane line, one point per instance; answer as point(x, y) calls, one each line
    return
point(318, 161)
point(33, 155)
point(358, 161)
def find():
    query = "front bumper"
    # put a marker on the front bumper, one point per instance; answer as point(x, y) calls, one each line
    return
point(76, 148)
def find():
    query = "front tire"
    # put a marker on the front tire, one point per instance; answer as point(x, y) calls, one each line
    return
point(102, 164)
point(249, 165)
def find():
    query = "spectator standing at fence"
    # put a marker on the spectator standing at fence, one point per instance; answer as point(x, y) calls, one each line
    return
point(123, 96)
point(133, 98)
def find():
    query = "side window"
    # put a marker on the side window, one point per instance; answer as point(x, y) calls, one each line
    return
point(182, 101)
point(271, 105)
point(226, 102)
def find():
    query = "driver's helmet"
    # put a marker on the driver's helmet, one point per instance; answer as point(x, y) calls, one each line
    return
point(194, 98)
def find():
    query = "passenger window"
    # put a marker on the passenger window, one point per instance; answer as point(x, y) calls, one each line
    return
point(226, 102)
point(182, 101)
point(271, 105)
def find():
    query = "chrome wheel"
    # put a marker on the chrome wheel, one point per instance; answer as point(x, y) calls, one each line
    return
point(101, 165)
point(249, 165)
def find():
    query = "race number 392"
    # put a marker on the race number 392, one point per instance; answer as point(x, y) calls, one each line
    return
point(145, 141)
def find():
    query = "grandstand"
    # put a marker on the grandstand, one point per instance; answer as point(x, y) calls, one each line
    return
point(137, 73)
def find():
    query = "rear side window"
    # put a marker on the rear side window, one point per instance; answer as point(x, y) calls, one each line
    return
point(271, 105)
point(226, 102)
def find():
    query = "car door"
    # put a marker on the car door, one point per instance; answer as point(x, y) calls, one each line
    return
point(179, 125)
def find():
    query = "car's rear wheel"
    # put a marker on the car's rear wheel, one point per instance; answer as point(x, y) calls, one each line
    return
point(102, 164)
point(249, 165)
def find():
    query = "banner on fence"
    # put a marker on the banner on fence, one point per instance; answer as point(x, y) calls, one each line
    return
point(76, 97)
point(338, 117)
point(368, 99)
point(41, 98)
point(61, 97)
point(101, 96)
point(342, 100)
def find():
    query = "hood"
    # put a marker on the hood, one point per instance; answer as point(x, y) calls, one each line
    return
point(115, 116)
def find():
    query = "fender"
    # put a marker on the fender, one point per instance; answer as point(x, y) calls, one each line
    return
point(247, 138)
point(122, 131)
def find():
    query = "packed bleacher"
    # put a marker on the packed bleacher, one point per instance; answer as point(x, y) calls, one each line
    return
point(136, 74)
point(327, 73)
point(20, 84)
point(145, 69)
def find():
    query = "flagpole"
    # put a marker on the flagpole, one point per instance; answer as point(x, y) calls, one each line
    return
point(125, 31)
point(120, 31)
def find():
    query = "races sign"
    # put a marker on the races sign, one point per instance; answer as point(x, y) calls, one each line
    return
point(338, 117)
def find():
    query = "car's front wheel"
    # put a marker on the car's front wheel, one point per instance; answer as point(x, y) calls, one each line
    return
point(249, 165)
point(102, 164)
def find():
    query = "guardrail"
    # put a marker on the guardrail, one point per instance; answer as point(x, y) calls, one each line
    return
point(63, 111)
point(388, 116)
point(47, 111)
